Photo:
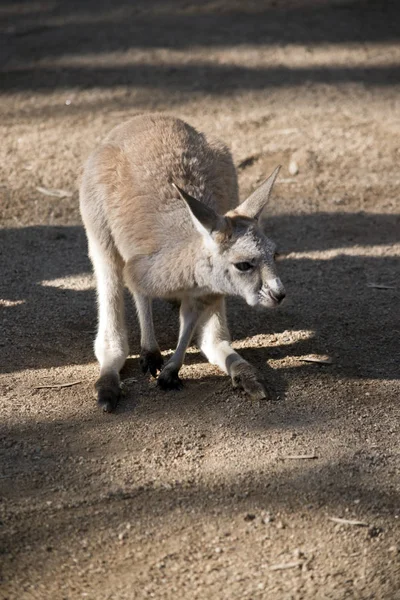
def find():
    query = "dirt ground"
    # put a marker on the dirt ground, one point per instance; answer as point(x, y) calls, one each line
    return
point(198, 493)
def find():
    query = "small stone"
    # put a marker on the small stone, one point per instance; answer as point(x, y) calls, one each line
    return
point(337, 200)
point(293, 167)
point(267, 518)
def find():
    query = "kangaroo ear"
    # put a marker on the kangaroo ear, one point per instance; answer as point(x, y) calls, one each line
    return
point(255, 203)
point(205, 219)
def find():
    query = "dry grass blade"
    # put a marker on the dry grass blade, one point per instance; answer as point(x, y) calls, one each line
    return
point(56, 385)
point(284, 566)
point(129, 380)
point(314, 359)
point(55, 193)
point(348, 522)
point(381, 286)
point(300, 457)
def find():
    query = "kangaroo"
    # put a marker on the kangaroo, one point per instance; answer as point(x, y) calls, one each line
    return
point(161, 211)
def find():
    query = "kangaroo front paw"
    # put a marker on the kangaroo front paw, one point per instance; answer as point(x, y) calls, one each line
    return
point(246, 377)
point(169, 379)
point(151, 360)
point(108, 392)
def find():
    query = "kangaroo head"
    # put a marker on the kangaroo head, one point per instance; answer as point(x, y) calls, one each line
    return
point(241, 258)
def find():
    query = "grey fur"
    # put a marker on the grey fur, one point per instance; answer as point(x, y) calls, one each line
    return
point(160, 206)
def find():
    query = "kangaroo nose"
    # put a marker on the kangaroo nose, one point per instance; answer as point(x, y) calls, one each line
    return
point(278, 296)
point(276, 290)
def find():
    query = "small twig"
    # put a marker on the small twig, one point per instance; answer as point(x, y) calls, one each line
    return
point(56, 385)
point(283, 566)
point(320, 361)
point(55, 193)
point(348, 522)
point(129, 380)
point(300, 456)
point(364, 565)
point(381, 286)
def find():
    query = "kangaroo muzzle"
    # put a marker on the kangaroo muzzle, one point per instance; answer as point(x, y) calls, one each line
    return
point(276, 290)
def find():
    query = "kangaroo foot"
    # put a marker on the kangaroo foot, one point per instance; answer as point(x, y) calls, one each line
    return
point(169, 379)
point(108, 391)
point(246, 377)
point(151, 360)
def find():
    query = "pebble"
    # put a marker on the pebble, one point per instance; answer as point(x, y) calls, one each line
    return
point(267, 518)
point(293, 167)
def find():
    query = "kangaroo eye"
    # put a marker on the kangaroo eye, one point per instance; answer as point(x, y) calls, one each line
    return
point(244, 266)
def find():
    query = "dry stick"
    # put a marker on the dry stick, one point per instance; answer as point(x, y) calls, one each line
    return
point(348, 522)
point(55, 193)
point(56, 385)
point(381, 286)
point(300, 456)
point(320, 361)
point(129, 380)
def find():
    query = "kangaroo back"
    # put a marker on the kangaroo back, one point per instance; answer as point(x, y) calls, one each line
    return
point(129, 180)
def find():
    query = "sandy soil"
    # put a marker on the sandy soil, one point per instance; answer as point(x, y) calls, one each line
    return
point(196, 494)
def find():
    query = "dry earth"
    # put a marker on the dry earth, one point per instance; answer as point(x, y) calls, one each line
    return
point(196, 494)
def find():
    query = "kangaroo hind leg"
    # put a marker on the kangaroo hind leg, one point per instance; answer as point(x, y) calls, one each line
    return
point(111, 345)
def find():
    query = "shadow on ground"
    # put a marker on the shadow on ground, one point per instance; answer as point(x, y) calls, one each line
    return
point(32, 36)
point(86, 493)
point(347, 317)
